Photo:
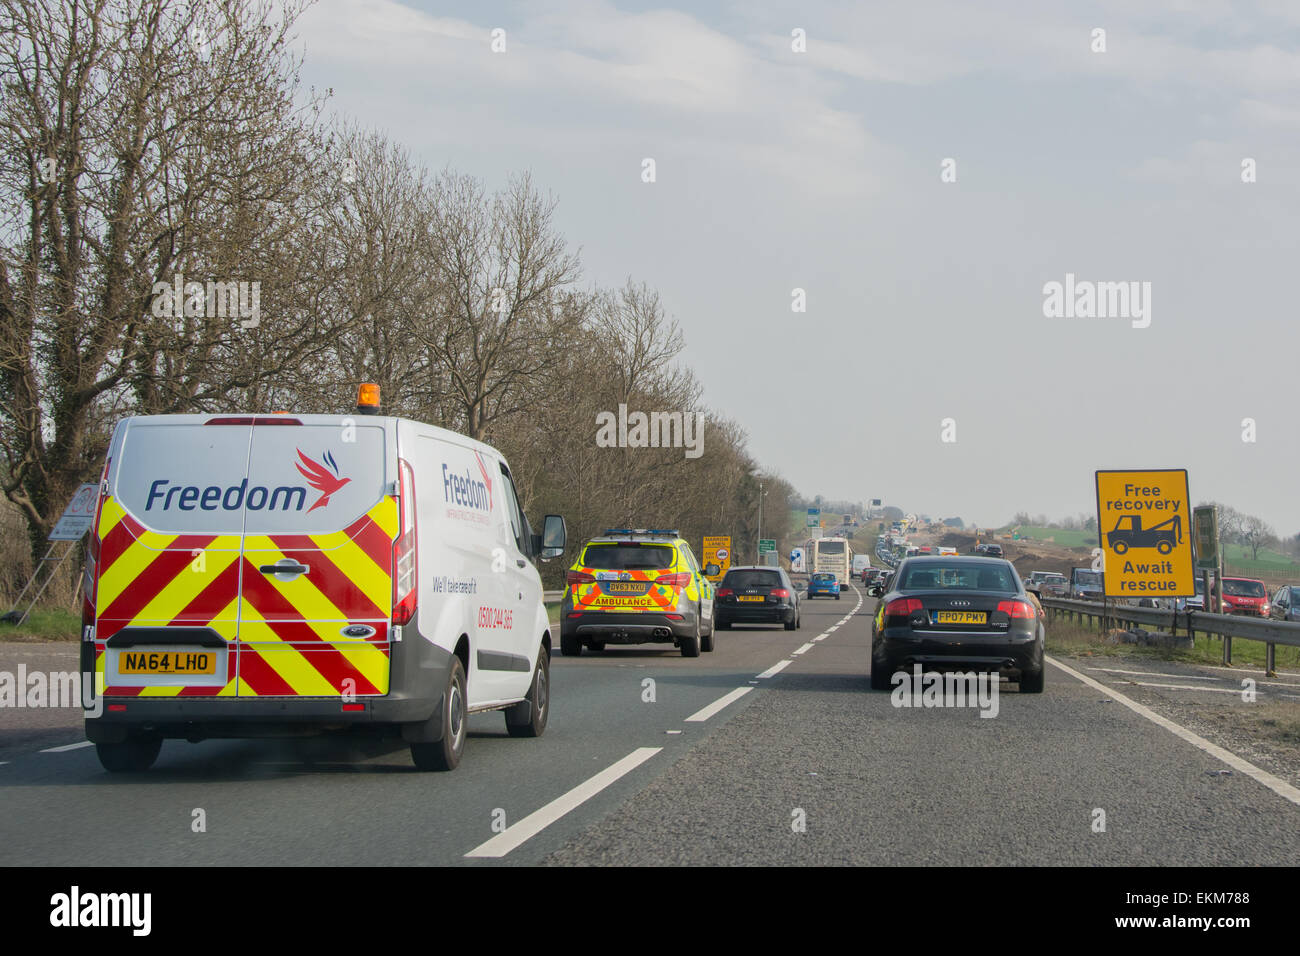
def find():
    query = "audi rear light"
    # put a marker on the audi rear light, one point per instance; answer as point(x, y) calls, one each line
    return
point(682, 580)
point(578, 577)
point(902, 607)
point(1016, 609)
point(725, 592)
point(405, 561)
point(779, 592)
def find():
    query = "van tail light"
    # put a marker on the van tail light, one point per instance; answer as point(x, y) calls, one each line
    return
point(579, 577)
point(406, 566)
point(90, 576)
point(902, 607)
point(1017, 609)
point(682, 580)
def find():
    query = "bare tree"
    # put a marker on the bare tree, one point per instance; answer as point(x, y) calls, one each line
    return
point(146, 143)
point(504, 297)
point(1256, 533)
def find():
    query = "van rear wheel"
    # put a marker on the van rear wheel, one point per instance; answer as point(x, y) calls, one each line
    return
point(445, 754)
point(528, 717)
point(133, 755)
point(570, 644)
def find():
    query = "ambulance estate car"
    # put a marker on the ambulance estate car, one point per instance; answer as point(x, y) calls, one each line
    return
point(266, 575)
point(637, 587)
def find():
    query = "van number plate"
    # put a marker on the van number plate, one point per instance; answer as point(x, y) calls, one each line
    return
point(624, 587)
point(167, 662)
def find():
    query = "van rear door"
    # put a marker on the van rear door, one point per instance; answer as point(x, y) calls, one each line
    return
point(320, 519)
point(167, 574)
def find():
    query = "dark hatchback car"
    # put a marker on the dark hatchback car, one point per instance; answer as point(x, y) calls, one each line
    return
point(962, 613)
point(756, 595)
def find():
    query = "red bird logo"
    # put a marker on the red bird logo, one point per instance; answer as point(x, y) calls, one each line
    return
point(320, 478)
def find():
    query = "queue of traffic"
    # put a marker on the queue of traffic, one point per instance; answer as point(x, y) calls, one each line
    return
point(277, 575)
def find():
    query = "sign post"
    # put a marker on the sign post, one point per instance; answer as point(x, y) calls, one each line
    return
point(1143, 522)
point(72, 525)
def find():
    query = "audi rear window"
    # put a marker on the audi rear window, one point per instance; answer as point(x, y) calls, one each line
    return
point(752, 579)
point(943, 577)
point(628, 557)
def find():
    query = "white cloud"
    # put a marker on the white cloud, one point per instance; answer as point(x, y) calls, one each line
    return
point(665, 73)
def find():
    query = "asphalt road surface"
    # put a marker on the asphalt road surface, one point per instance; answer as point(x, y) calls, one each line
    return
point(772, 749)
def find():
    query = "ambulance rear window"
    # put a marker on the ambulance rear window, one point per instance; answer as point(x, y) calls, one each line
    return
point(628, 557)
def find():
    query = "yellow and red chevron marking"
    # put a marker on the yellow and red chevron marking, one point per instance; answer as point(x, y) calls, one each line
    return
point(587, 597)
point(284, 638)
point(146, 578)
point(290, 632)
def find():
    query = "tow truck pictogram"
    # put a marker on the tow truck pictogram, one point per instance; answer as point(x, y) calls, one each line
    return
point(1129, 533)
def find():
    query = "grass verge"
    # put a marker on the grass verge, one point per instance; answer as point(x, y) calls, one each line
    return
point(44, 624)
point(1069, 637)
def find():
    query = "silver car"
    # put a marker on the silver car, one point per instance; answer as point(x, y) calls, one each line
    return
point(1285, 605)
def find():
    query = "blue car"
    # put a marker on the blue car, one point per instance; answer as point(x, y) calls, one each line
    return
point(823, 583)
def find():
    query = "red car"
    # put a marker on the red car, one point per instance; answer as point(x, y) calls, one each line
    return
point(1245, 596)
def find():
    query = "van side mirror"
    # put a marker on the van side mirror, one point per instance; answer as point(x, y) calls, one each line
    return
point(555, 535)
point(712, 570)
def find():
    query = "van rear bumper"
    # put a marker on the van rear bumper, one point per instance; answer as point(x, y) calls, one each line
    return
point(417, 682)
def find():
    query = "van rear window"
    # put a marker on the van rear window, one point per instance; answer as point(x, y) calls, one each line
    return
point(189, 479)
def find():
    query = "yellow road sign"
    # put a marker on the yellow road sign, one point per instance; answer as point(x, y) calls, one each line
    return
point(717, 550)
point(1145, 519)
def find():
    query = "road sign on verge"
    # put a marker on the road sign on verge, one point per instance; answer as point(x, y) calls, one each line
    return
point(78, 516)
point(1146, 543)
point(766, 544)
point(1205, 521)
point(717, 550)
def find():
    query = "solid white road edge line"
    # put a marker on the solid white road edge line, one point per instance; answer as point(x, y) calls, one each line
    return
point(702, 715)
point(1116, 670)
point(67, 747)
point(539, 820)
point(1276, 784)
point(775, 669)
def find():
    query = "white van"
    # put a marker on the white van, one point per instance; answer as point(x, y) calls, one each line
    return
point(263, 575)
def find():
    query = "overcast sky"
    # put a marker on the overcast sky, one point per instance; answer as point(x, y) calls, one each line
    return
point(821, 170)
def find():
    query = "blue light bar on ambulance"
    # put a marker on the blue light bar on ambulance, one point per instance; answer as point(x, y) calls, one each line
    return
point(615, 531)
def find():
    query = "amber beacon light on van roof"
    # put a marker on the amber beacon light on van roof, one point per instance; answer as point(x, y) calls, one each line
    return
point(368, 398)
